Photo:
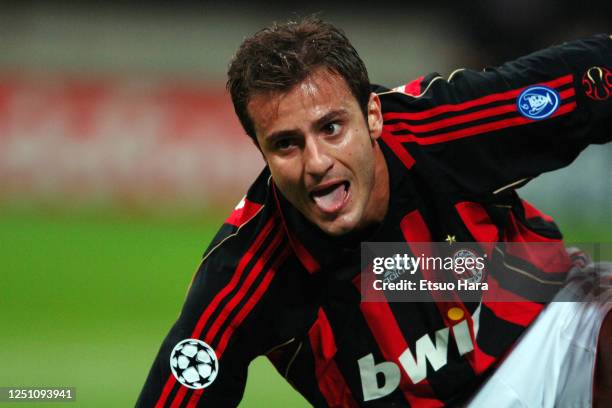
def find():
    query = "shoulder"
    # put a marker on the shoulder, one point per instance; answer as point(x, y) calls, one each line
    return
point(253, 215)
point(249, 242)
point(240, 266)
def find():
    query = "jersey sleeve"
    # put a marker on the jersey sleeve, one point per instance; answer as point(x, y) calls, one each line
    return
point(203, 361)
point(485, 131)
point(162, 388)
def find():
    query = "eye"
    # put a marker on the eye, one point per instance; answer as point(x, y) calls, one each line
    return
point(332, 128)
point(284, 144)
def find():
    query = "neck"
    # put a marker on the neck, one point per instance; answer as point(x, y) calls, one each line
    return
point(378, 202)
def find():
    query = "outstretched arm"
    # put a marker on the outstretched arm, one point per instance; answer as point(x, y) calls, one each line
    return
point(502, 126)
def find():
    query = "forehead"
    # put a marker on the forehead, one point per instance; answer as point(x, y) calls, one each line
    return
point(318, 94)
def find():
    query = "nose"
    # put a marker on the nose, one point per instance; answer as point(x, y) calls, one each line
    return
point(317, 161)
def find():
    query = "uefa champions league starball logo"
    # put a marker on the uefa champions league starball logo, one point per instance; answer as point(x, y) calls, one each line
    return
point(194, 363)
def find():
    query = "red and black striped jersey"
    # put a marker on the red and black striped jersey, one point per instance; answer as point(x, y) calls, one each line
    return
point(273, 284)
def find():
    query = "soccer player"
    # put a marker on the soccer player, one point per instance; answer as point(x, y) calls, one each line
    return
point(438, 159)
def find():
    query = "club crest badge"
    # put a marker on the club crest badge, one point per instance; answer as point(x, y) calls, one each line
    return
point(538, 102)
point(597, 83)
point(471, 271)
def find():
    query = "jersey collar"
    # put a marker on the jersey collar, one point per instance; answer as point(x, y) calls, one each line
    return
point(317, 250)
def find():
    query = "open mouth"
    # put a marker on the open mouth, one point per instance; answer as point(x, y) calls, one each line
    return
point(331, 198)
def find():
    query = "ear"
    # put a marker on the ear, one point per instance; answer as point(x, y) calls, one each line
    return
point(375, 120)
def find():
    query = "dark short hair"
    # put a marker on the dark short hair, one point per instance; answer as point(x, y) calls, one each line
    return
point(281, 56)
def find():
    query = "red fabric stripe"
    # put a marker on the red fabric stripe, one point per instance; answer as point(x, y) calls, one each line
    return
point(417, 236)
point(414, 229)
point(468, 117)
point(302, 253)
point(392, 344)
point(195, 397)
point(456, 120)
point(246, 258)
point(244, 288)
point(547, 254)
point(399, 150)
point(413, 88)
point(438, 110)
point(166, 391)
point(477, 358)
point(178, 398)
point(243, 212)
point(307, 260)
point(521, 312)
point(481, 227)
point(244, 311)
point(217, 299)
point(478, 129)
point(332, 384)
point(481, 361)
point(477, 221)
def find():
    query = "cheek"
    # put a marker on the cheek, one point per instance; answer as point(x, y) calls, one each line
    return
point(286, 176)
point(365, 167)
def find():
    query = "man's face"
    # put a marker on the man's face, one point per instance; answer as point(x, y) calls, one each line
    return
point(323, 153)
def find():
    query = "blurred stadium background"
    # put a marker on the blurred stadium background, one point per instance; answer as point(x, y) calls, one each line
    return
point(120, 157)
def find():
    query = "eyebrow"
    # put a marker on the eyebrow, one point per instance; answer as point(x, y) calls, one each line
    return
point(329, 116)
point(317, 124)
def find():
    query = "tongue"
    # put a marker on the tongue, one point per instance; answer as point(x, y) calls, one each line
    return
point(332, 200)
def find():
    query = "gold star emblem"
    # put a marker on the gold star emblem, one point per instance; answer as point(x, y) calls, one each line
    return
point(450, 239)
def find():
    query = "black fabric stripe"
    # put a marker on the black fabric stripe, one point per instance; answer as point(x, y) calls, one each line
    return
point(495, 335)
point(416, 319)
point(345, 318)
point(515, 261)
point(456, 381)
point(459, 126)
point(523, 285)
point(470, 124)
point(170, 399)
point(288, 309)
point(302, 375)
point(449, 382)
point(266, 267)
point(537, 224)
point(187, 398)
point(543, 227)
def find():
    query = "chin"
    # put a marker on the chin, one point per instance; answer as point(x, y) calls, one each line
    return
point(337, 227)
point(335, 231)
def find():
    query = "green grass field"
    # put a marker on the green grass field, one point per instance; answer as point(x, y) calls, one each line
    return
point(86, 299)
